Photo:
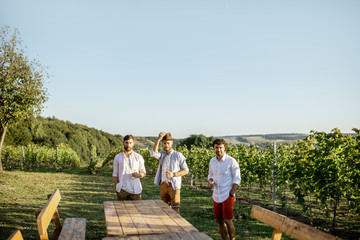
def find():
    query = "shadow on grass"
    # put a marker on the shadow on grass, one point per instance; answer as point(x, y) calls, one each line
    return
point(16, 216)
point(82, 195)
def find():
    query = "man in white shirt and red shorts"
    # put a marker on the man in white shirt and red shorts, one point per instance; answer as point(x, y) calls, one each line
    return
point(224, 178)
point(128, 168)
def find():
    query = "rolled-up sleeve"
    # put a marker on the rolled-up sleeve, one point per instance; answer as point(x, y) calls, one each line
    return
point(156, 155)
point(142, 165)
point(183, 164)
point(235, 172)
point(211, 175)
point(116, 167)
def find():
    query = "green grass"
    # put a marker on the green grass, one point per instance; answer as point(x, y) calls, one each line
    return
point(21, 193)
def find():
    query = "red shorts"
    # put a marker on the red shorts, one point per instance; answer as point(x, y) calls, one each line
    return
point(224, 209)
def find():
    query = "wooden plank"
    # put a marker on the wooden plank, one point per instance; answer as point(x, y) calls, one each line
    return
point(165, 236)
point(44, 218)
point(73, 229)
point(16, 236)
point(170, 236)
point(139, 222)
point(66, 231)
point(125, 220)
point(304, 232)
point(200, 236)
point(132, 237)
point(57, 222)
point(182, 222)
point(79, 229)
point(150, 237)
point(164, 217)
point(276, 235)
point(185, 236)
point(122, 238)
point(156, 225)
point(288, 226)
point(113, 226)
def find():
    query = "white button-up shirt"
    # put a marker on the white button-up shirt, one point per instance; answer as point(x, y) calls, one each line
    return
point(177, 162)
point(121, 169)
point(165, 168)
point(127, 182)
point(225, 173)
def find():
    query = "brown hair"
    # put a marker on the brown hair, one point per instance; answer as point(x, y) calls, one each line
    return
point(220, 141)
point(128, 137)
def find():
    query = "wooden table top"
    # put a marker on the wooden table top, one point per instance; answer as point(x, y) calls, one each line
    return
point(165, 236)
point(144, 217)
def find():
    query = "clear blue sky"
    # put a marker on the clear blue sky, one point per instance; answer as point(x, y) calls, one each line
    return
point(196, 67)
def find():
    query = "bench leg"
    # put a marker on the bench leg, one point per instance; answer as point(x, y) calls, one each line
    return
point(57, 224)
point(276, 235)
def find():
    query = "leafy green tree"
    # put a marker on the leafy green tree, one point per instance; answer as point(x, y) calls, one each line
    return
point(22, 91)
point(19, 135)
point(198, 141)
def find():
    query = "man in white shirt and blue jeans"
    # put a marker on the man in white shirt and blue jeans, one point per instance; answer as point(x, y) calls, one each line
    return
point(172, 166)
point(224, 178)
point(128, 168)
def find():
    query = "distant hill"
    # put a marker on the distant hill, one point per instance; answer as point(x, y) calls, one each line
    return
point(52, 131)
point(263, 140)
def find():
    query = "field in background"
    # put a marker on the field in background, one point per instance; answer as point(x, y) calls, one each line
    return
point(264, 140)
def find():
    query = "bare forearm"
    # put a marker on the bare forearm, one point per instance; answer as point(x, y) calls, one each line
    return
point(115, 180)
point(160, 137)
point(156, 145)
point(180, 173)
point(234, 188)
point(139, 175)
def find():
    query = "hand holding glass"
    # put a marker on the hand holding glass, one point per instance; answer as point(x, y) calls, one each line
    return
point(211, 183)
point(167, 172)
point(134, 173)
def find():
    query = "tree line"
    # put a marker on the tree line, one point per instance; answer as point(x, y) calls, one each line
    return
point(51, 132)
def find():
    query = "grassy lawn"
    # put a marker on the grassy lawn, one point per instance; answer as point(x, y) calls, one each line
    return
point(21, 193)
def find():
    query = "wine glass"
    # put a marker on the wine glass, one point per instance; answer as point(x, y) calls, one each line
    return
point(133, 171)
point(167, 170)
point(211, 181)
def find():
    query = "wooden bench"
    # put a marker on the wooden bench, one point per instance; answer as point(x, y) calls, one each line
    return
point(16, 236)
point(73, 228)
point(283, 224)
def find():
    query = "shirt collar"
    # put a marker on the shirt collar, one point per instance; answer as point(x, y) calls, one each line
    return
point(222, 159)
point(171, 152)
point(130, 155)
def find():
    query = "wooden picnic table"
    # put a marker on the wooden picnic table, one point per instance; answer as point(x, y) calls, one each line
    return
point(146, 219)
point(165, 236)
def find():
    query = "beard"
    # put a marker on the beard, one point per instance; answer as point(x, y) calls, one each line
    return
point(128, 149)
